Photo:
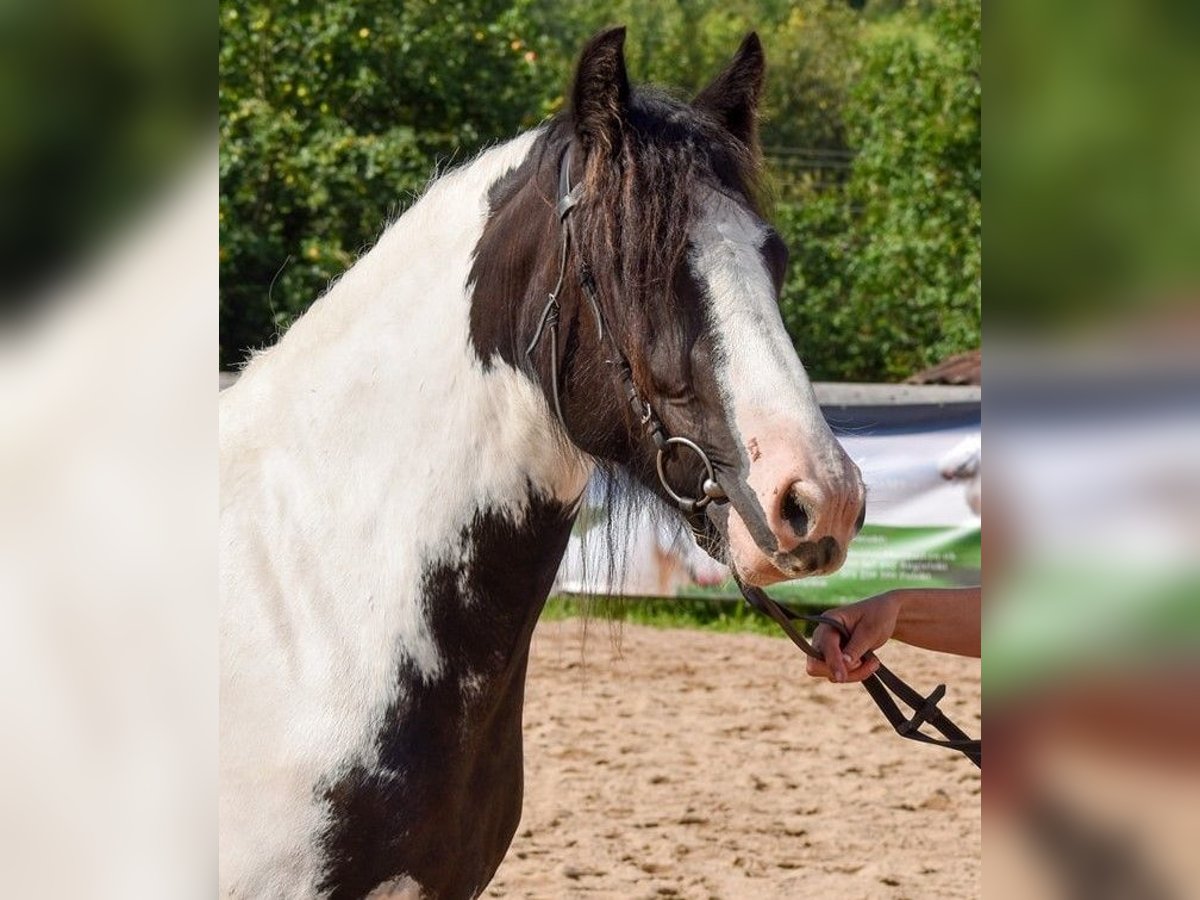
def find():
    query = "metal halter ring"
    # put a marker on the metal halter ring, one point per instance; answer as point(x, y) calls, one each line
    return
point(712, 490)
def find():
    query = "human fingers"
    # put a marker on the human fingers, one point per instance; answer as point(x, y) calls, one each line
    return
point(828, 643)
point(818, 669)
point(864, 671)
point(862, 641)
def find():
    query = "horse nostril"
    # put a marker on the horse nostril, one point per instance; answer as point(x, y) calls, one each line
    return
point(794, 514)
point(862, 517)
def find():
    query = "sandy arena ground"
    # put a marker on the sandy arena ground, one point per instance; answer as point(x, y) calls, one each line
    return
point(692, 764)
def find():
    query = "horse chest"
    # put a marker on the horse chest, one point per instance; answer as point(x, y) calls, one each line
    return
point(443, 802)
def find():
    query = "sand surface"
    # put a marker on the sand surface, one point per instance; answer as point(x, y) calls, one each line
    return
point(692, 764)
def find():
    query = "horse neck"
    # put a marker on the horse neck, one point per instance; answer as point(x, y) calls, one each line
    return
point(399, 440)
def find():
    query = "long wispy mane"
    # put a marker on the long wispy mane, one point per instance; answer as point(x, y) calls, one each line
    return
point(639, 202)
point(632, 227)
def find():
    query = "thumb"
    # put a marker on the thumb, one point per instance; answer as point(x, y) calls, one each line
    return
point(828, 643)
point(858, 646)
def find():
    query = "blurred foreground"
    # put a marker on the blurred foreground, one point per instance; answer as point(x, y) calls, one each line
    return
point(108, 567)
point(1092, 616)
point(1092, 621)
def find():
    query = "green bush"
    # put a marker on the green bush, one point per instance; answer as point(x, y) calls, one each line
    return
point(333, 116)
point(886, 268)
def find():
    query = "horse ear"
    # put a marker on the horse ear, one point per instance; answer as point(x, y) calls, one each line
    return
point(732, 97)
point(601, 93)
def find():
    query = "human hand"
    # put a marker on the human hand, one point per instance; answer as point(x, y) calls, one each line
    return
point(869, 623)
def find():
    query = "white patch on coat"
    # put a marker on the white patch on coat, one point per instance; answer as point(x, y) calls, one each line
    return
point(353, 454)
point(766, 392)
point(471, 685)
point(759, 371)
point(402, 888)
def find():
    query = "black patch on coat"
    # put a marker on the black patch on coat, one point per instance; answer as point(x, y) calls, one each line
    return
point(444, 801)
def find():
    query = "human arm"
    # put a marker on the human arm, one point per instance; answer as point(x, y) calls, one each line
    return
point(942, 619)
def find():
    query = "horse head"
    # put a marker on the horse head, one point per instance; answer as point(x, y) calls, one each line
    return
point(650, 316)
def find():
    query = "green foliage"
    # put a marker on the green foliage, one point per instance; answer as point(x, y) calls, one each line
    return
point(727, 615)
point(334, 116)
point(886, 269)
point(812, 65)
point(681, 44)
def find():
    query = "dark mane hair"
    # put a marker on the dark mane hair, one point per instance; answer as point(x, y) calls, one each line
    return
point(642, 160)
point(638, 200)
point(632, 227)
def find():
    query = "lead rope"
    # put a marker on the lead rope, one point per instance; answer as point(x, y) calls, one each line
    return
point(885, 687)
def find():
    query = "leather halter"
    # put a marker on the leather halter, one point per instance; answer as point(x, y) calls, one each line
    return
point(884, 686)
point(710, 490)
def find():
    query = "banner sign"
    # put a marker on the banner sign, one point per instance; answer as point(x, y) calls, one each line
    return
point(921, 463)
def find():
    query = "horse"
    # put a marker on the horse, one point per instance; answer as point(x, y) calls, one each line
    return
point(400, 472)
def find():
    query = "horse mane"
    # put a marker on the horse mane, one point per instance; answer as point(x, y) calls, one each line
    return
point(638, 202)
point(633, 230)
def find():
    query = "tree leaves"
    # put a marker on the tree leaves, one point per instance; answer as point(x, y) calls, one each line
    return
point(887, 268)
point(333, 115)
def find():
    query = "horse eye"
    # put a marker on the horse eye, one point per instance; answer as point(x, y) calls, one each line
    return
point(674, 391)
point(679, 397)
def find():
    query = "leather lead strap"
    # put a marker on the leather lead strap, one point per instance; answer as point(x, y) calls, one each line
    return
point(885, 686)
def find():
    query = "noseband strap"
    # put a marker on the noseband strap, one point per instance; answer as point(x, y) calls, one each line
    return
point(710, 489)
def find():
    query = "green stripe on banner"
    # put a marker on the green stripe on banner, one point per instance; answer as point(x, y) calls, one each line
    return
point(882, 557)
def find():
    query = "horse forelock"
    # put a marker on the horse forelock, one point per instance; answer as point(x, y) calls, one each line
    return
point(640, 203)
